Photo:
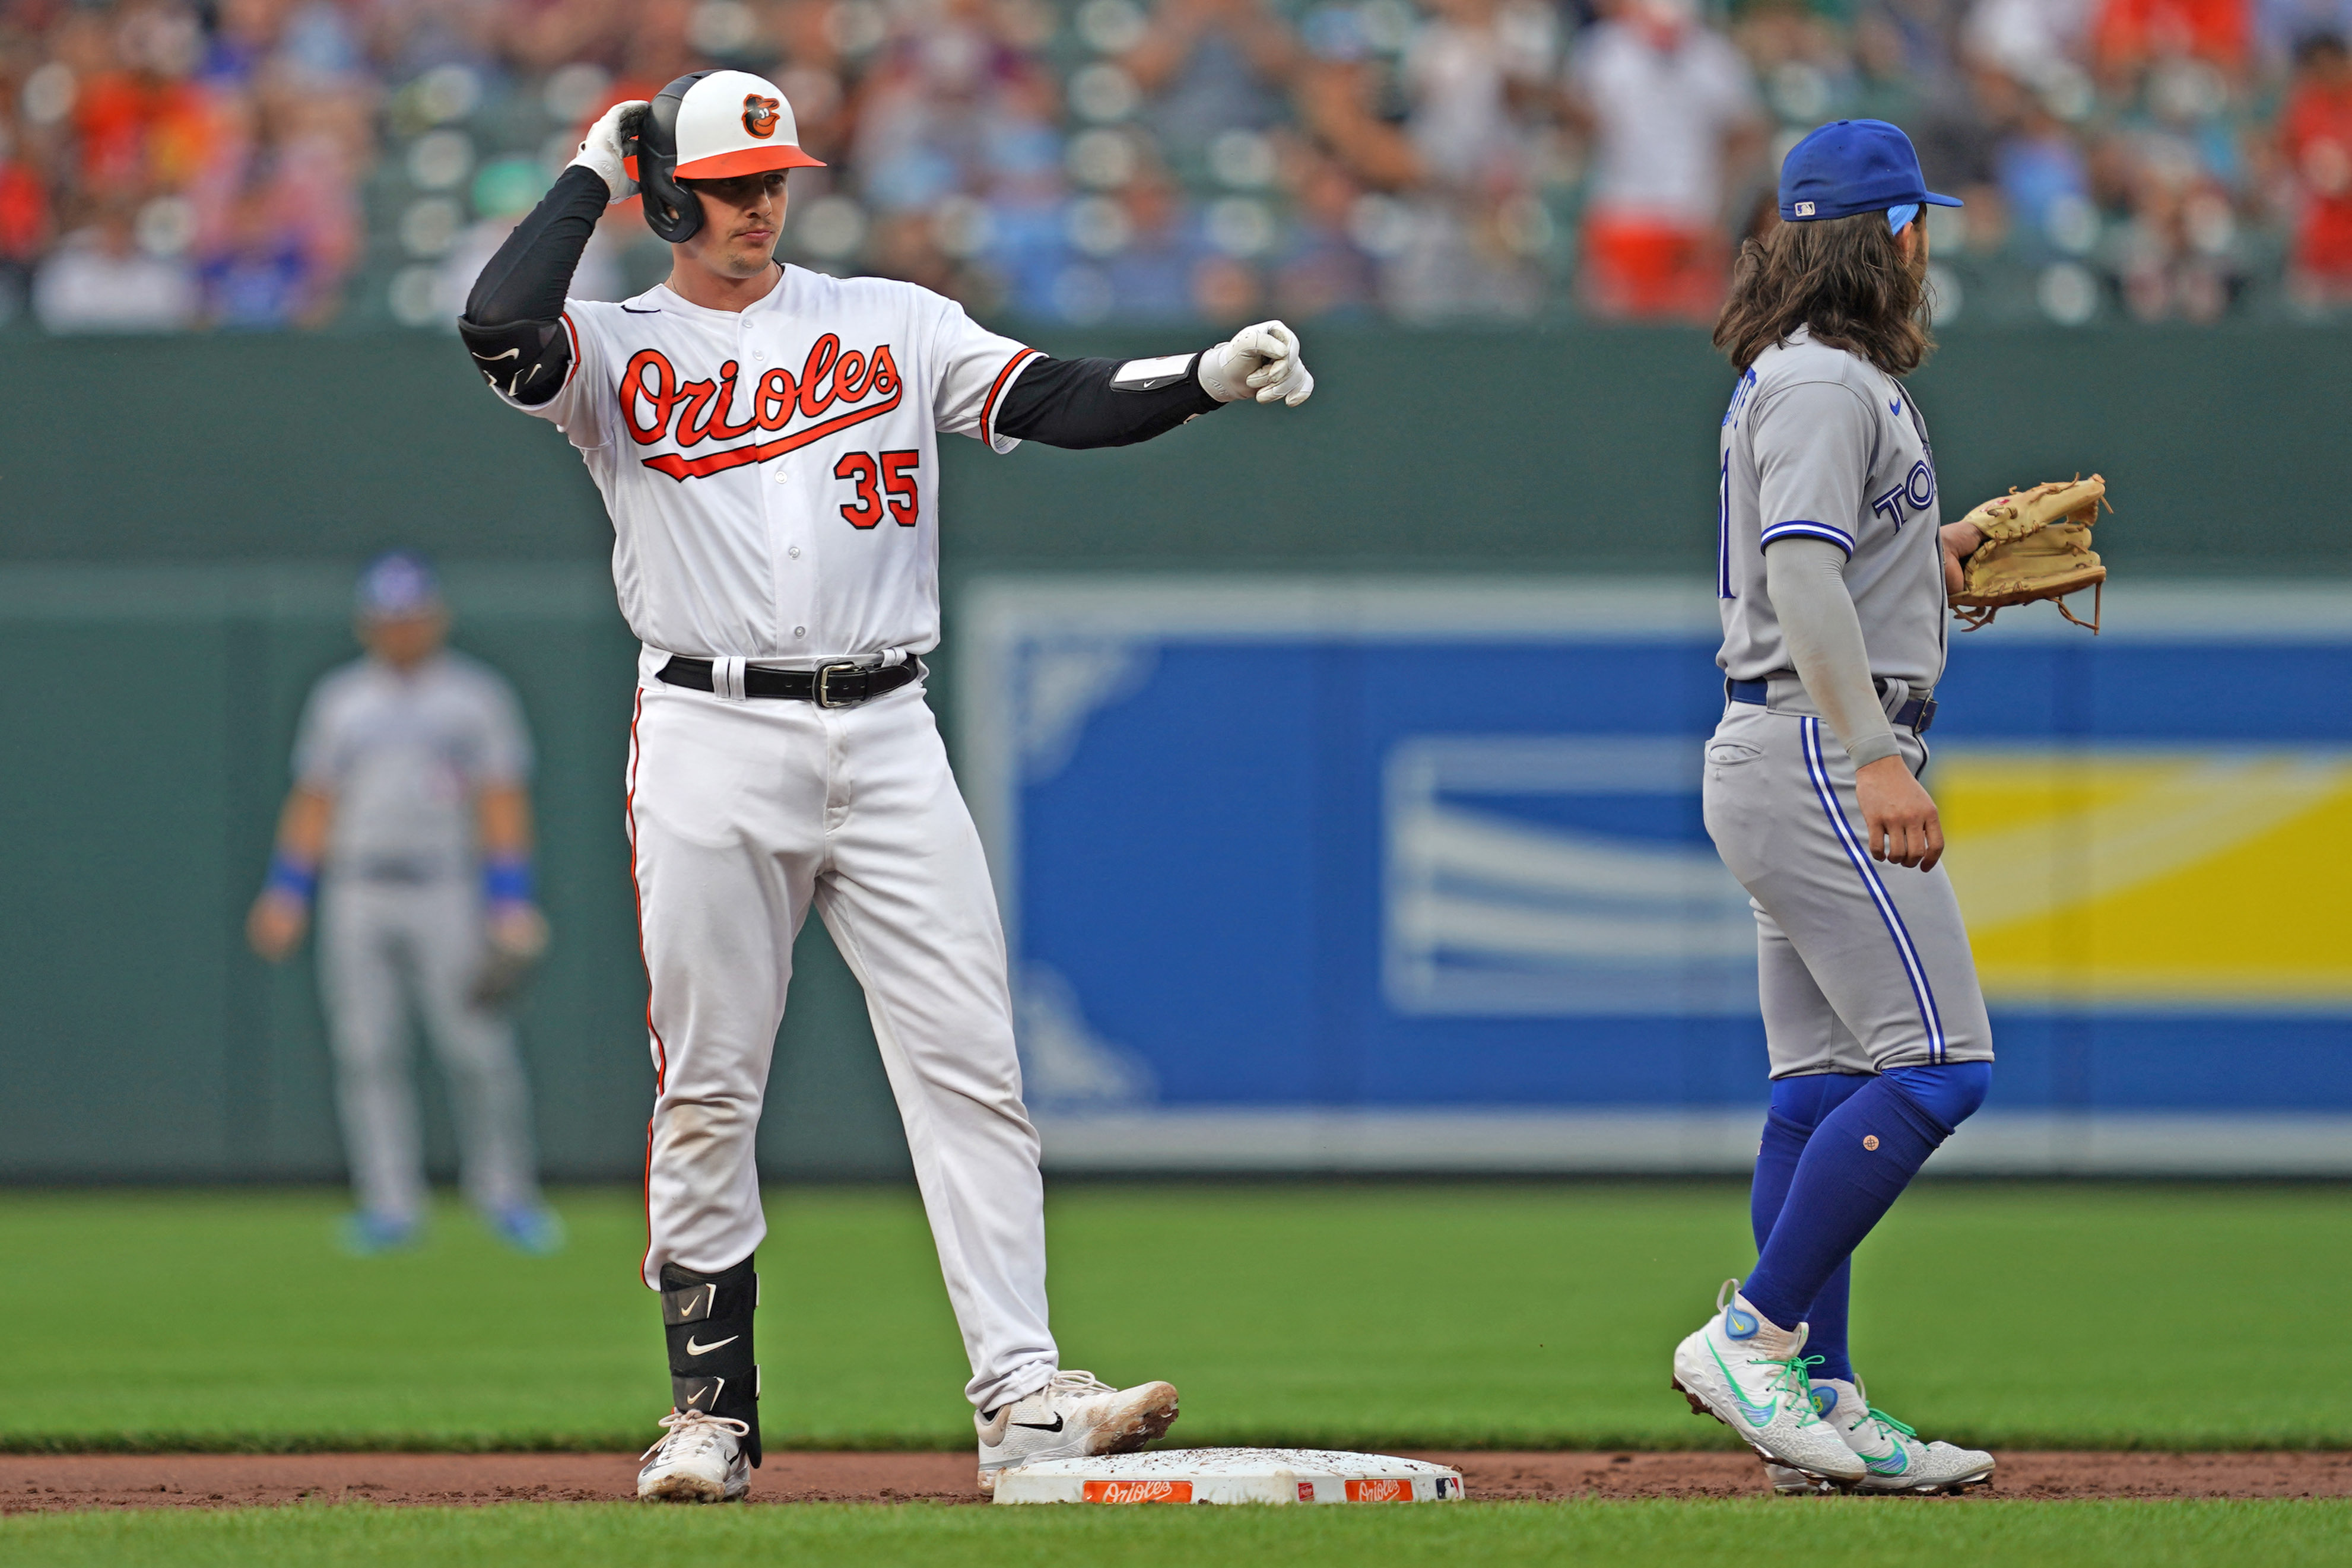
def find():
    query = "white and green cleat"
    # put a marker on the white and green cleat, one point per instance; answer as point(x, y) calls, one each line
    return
point(1892, 1453)
point(1749, 1374)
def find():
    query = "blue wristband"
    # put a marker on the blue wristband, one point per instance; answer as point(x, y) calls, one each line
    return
point(507, 879)
point(291, 876)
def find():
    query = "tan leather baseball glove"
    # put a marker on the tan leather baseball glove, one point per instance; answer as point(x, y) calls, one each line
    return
point(2037, 545)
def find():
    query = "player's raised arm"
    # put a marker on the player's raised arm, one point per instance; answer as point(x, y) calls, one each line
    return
point(513, 322)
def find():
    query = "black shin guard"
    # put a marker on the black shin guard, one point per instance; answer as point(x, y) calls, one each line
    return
point(707, 1318)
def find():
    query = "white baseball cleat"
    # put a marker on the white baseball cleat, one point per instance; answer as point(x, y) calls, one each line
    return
point(1074, 1415)
point(1894, 1455)
point(1750, 1375)
point(700, 1460)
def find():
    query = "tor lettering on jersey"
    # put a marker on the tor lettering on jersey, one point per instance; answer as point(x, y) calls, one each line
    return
point(656, 406)
point(1918, 490)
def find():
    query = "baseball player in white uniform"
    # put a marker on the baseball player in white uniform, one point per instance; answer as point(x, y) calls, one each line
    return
point(766, 439)
point(410, 821)
point(1833, 575)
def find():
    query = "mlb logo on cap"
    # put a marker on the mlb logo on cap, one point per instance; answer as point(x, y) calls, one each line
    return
point(1804, 209)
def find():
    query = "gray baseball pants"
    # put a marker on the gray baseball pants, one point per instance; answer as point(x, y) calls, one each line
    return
point(1862, 965)
point(383, 946)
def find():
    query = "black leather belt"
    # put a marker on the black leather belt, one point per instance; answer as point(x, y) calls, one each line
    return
point(841, 685)
point(1915, 715)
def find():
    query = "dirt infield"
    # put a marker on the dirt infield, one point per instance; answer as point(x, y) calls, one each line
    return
point(30, 1483)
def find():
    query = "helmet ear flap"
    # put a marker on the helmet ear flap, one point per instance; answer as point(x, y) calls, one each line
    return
point(671, 210)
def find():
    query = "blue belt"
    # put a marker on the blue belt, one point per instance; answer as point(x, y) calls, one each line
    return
point(1915, 715)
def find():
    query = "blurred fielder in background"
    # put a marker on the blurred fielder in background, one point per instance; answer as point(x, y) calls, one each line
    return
point(410, 821)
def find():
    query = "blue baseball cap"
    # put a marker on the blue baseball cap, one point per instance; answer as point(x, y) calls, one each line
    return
point(397, 584)
point(1851, 166)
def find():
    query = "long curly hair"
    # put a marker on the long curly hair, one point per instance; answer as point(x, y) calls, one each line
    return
point(1845, 277)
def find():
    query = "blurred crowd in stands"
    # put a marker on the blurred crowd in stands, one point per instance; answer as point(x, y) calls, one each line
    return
point(269, 163)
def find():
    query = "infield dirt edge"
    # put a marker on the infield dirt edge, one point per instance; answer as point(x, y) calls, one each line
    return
point(85, 1482)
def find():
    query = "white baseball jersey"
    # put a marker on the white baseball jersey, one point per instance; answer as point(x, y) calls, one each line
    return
point(773, 473)
point(1820, 444)
point(403, 756)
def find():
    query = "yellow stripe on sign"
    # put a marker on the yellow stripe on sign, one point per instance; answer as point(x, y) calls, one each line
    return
point(2176, 876)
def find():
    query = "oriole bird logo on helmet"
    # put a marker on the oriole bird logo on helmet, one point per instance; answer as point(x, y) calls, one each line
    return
point(760, 114)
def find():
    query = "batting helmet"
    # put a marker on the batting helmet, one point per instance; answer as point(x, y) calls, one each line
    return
point(709, 125)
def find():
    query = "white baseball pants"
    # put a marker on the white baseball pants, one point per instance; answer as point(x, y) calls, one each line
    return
point(380, 944)
point(739, 813)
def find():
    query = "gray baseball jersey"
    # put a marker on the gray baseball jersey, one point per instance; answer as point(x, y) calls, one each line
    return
point(1819, 442)
point(403, 755)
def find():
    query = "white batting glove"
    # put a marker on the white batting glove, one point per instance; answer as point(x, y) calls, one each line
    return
point(1262, 362)
point(601, 150)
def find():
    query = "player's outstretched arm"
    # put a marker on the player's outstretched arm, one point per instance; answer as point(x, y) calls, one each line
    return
point(1083, 403)
point(512, 322)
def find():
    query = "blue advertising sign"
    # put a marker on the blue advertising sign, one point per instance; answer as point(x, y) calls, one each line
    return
point(1390, 875)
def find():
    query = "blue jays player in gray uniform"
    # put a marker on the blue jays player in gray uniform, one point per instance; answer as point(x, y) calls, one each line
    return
point(1833, 575)
point(410, 823)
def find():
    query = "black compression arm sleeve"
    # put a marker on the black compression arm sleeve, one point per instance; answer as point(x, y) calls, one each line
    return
point(1071, 403)
point(526, 280)
point(511, 322)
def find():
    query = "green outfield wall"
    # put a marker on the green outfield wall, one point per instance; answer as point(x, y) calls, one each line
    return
point(1576, 449)
point(179, 520)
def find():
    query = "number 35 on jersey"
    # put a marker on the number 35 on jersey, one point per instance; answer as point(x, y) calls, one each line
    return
point(895, 471)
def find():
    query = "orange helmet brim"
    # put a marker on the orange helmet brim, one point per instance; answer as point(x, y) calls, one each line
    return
point(746, 160)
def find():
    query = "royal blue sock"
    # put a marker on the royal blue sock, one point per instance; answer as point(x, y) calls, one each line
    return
point(1855, 1164)
point(1797, 1105)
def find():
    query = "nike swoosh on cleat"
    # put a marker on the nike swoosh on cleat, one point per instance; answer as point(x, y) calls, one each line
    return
point(1040, 1425)
point(1895, 1465)
point(695, 1347)
point(1741, 1399)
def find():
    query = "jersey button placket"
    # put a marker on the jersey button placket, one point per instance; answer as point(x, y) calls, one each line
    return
point(783, 508)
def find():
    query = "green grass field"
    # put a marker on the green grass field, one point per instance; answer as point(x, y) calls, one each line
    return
point(1346, 1315)
point(1495, 1535)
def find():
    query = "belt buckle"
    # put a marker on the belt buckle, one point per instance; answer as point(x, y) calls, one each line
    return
point(820, 692)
